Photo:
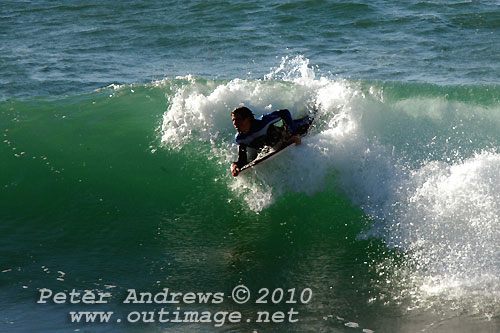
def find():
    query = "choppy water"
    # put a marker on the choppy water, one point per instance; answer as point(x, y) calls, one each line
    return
point(116, 142)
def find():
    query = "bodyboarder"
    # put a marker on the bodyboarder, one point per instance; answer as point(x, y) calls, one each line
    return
point(259, 132)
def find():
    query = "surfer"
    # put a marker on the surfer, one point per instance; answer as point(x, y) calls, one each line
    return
point(260, 132)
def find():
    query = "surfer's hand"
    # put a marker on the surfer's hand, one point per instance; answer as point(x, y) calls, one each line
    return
point(296, 139)
point(235, 170)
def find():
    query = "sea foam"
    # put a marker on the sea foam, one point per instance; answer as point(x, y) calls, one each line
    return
point(423, 167)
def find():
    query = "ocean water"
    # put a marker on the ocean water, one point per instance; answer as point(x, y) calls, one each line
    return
point(116, 141)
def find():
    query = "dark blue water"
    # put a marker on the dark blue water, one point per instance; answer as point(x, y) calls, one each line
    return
point(59, 47)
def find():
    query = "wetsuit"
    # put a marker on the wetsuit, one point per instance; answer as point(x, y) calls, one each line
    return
point(263, 133)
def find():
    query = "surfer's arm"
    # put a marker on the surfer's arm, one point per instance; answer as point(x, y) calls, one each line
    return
point(296, 139)
point(291, 127)
point(242, 160)
point(285, 115)
point(287, 118)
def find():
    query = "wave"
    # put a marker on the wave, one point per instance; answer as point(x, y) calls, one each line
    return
point(419, 159)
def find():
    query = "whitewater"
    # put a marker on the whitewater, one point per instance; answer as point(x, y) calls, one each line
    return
point(423, 168)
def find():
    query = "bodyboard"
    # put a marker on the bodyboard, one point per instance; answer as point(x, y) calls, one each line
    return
point(266, 155)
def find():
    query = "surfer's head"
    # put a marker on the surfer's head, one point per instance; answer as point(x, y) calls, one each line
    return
point(242, 119)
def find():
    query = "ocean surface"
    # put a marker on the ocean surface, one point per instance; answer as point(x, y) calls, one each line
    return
point(116, 141)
